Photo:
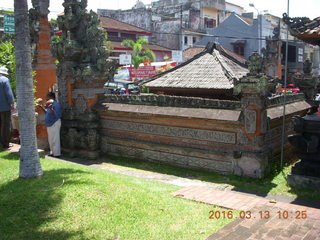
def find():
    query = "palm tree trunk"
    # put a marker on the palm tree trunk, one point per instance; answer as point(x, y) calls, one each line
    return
point(29, 158)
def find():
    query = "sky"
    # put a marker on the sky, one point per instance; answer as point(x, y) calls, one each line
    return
point(298, 8)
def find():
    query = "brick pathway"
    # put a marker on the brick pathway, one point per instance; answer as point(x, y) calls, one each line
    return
point(260, 218)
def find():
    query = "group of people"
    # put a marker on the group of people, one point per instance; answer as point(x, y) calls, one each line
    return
point(51, 108)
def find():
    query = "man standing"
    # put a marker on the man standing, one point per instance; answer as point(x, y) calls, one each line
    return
point(6, 104)
point(53, 123)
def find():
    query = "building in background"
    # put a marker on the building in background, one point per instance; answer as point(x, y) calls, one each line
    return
point(233, 8)
point(239, 34)
point(175, 25)
point(119, 31)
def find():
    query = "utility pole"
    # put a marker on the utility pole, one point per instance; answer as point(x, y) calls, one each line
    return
point(279, 44)
point(259, 19)
point(285, 92)
point(181, 35)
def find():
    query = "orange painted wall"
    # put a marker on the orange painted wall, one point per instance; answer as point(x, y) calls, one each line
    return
point(45, 69)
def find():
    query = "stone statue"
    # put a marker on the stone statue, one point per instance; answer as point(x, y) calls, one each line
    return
point(255, 64)
point(307, 66)
point(307, 82)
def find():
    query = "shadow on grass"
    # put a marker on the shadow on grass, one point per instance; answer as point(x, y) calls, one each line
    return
point(9, 156)
point(259, 187)
point(245, 184)
point(28, 206)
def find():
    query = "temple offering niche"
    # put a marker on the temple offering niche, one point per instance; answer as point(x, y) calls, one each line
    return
point(306, 140)
point(83, 69)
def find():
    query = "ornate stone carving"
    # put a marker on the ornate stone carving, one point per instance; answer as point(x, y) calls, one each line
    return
point(250, 119)
point(307, 66)
point(207, 135)
point(255, 63)
point(82, 70)
point(307, 83)
point(81, 105)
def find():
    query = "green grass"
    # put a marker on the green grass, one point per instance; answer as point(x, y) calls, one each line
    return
point(274, 183)
point(76, 202)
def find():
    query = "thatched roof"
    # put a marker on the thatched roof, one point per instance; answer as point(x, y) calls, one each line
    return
point(210, 69)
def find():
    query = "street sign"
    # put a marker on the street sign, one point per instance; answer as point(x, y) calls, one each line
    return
point(177, 56)
point(8, 24)
point(124, 59)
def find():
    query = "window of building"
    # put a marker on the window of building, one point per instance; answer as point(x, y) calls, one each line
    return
point(238, 49)
point(185, 40)
point(210, 22)
point(113, 36)
point(194, 40)
point(128, 36)
point(292, 53)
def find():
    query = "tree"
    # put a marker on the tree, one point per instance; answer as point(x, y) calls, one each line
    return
point(8, 59)
point(139, 53)
point(29, 158)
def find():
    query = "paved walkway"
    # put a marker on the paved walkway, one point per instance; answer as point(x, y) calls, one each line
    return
point(256, 217)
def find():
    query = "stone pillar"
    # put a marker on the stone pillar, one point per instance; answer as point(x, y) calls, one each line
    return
point(253, 89)
point(80, 123)
point(44, 63)
point(82, 71)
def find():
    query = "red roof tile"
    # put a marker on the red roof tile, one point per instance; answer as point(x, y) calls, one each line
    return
point(305, 29)
point(115, 25)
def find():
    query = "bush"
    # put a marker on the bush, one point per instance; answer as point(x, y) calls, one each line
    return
point(8, 59)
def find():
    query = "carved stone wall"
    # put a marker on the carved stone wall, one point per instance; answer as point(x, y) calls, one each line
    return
point(173, 101)
point(82, 71)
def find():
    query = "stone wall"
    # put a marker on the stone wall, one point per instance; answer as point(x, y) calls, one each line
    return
point(192, 139)
point(290, 98)
point(214, 135)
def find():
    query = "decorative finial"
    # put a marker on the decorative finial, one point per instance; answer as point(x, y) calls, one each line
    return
point(255, 63)
point(307, 66)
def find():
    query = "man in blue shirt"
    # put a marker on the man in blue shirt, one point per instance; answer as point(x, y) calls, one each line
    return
point(6, 104)
point(53, 124)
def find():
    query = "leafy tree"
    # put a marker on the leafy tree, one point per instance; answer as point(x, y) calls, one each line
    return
point(139, 53)
point(8, 59)
point(29, 158)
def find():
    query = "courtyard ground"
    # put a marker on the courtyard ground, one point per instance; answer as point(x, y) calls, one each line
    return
point(255, 209)
point(71, 201)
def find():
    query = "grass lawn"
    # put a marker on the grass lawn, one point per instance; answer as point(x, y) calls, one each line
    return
point(77, 202)
point(274, 183)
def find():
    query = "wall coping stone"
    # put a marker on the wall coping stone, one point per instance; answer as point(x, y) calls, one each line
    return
point(172, 101)
point(290, 98)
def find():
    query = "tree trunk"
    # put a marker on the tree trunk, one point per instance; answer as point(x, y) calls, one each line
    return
point(29, 158)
